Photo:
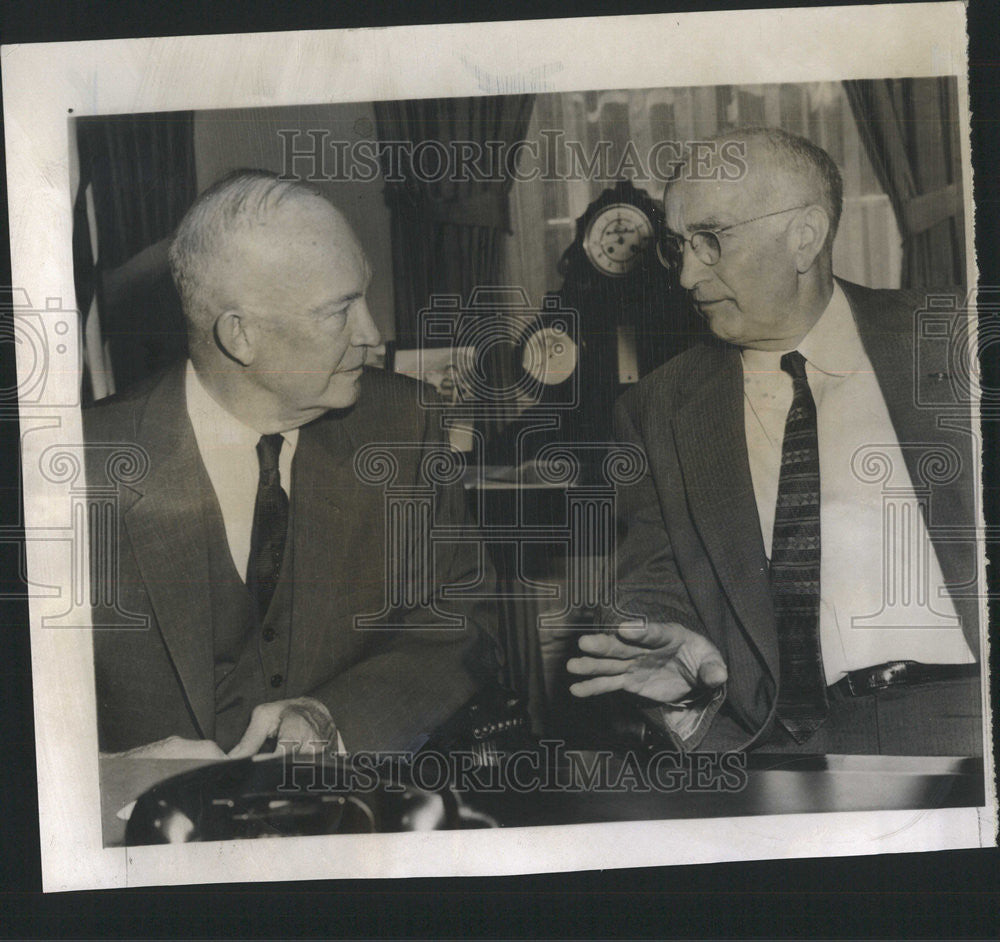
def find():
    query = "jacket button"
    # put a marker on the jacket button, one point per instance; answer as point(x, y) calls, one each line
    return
point(277, 680)
point(269, 634)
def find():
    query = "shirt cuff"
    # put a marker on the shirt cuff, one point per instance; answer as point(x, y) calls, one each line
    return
point(686, 722)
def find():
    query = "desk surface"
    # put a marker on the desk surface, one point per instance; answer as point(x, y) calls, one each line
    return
point(767, 785)
point(124, 780)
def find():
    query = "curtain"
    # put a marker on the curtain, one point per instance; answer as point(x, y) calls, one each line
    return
point(448, 238)
point(137, 178)
point(867, 249)
point(447, 234)
point(910, 131)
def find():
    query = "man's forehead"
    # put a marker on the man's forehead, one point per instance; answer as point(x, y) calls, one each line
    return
point(722, 201)
point(295, 226)
point(303, 247)
point(311, 215)
point(704, 203)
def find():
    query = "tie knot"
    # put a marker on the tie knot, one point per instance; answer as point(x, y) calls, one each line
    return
point(794, 364)
point(268, 450)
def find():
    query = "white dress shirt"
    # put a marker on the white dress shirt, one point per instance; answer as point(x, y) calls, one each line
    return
point(851, 414)
point(228, 450)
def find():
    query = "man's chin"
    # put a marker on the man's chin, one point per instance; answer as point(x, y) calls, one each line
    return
point(344, 389)
point(718, 317)
point(719, 327)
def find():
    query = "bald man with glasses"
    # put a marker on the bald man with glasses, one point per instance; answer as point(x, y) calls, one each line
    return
point(757, 555)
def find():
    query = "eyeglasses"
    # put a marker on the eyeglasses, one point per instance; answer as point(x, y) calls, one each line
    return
point(705, 242)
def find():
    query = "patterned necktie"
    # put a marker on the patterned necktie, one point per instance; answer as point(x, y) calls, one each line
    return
point(270, 524)
point(795, 558)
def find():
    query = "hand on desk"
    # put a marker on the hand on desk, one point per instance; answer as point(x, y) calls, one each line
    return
point(662, 662)
point(175, 747)
point(304, 721)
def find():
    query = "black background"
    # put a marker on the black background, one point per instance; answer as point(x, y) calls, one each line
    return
point(950, 894)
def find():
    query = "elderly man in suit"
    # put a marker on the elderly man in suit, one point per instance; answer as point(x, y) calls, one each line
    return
point(757, 553)
point(252, 544)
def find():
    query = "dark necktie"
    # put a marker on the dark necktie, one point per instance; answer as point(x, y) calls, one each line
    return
point(270, 524)
point(795, 559)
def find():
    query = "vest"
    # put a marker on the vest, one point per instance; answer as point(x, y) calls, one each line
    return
point(250, 657)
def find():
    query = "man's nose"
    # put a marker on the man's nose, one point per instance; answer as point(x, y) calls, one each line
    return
point(693, 269)
point(364, 333)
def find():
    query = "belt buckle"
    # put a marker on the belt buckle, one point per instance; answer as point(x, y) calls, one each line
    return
point(887, 675)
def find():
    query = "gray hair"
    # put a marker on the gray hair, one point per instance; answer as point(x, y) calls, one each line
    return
point(801, 158)
point(232, 204)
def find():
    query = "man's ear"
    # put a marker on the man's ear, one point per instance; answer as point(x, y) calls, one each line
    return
point(808, 236)
point(235, 337)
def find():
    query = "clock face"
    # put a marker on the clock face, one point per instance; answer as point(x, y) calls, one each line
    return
point(550, 355)
point(616, 238)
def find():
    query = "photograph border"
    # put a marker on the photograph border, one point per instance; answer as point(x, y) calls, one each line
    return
point(288, 68)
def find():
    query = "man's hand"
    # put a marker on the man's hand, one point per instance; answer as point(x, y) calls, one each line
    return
point(662, 662)
point(174, 747)
point(303, 721)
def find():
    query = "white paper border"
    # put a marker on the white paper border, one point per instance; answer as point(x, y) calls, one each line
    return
point(42, 82)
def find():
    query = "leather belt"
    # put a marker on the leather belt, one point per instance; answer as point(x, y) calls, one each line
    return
point(868, 680)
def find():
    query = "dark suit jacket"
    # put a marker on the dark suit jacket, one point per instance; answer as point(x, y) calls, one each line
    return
point(690, 549)
point(385, 689)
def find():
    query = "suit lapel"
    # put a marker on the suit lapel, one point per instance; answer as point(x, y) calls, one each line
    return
point(324, 487)
point(710, 437)
point(165, 523)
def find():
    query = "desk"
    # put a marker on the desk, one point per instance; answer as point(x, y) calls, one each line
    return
point(124, 780)
point(769, 785)
point(773, 785)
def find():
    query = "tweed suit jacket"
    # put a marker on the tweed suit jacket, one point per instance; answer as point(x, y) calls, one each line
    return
point(386, 688)
point(690, 547)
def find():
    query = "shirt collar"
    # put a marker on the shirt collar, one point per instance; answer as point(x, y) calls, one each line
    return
point(833, 345)
point(214, 427)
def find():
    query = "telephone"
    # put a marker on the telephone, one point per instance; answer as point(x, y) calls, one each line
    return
point(333, 794)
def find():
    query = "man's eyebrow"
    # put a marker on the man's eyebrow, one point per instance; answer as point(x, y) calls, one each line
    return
point(336, 303)
point(709, 222)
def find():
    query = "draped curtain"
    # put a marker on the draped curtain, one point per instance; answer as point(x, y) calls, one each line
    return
point(137, 178)
point(447, 234)
point(544, 211)
point(910, 131)
point(448, 238)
